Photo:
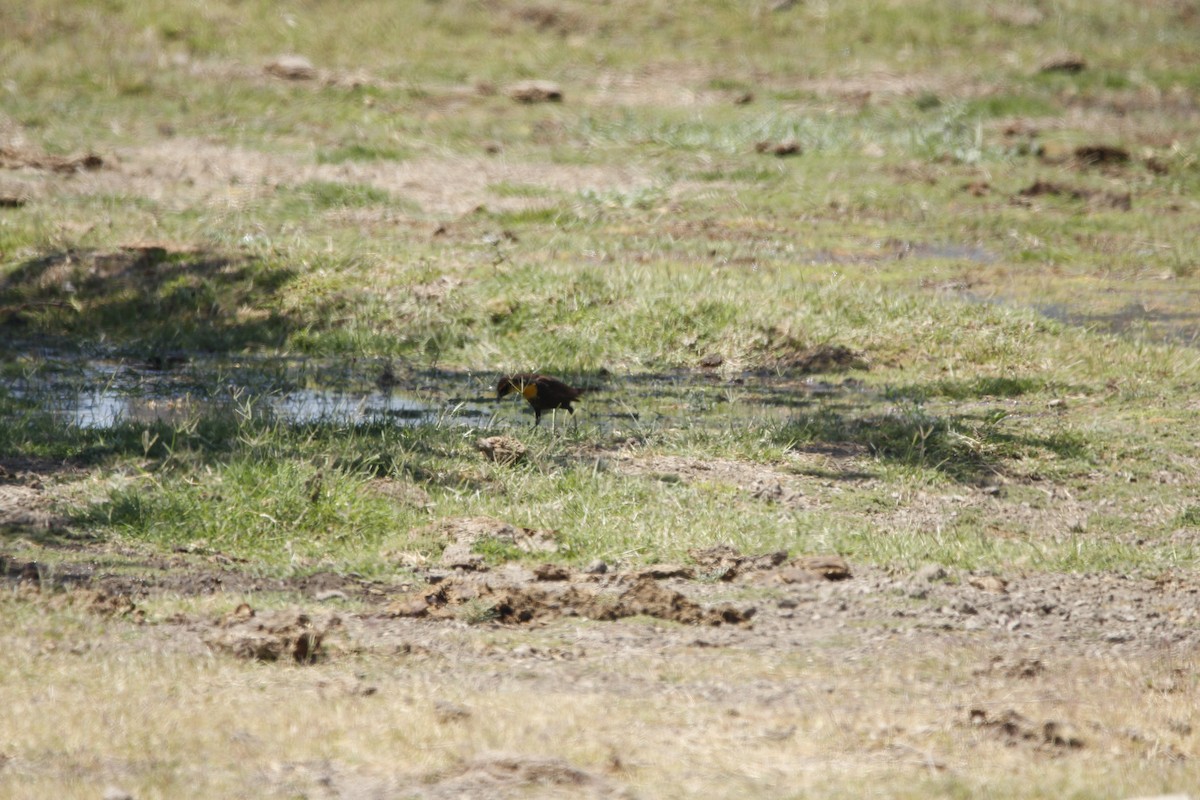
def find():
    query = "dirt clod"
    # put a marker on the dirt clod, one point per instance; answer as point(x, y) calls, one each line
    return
point(781, 149)
point(11, 158)
point(831, 568)
point(291, 67)
point(459, 556)
point(112, 605)
point(1017, 728)
point(727, 563)
point(504, 450)
point(1101, 154)
point(988, 583)
point(1122, 201)
point(272, 636)
point(516, 602)
point(551, 572)
point(535, 91)
point(1070, 64)
point(659, 572)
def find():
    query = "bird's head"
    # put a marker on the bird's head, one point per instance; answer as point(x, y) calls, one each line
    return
point(505, 386)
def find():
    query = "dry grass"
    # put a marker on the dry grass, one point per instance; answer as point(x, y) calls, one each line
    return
point(400, 707)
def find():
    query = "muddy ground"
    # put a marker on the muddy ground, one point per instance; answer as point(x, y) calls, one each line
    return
point(920, 672)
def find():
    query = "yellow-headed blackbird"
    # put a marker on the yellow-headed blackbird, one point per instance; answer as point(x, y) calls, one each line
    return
point(543, 392)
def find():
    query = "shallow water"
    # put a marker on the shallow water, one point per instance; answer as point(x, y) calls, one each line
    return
point(101, 393)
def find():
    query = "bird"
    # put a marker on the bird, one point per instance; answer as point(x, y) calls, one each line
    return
point(543, 392)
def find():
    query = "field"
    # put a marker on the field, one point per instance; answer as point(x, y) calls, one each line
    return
point(885, 478)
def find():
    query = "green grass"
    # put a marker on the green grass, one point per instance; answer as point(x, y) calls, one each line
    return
point(1002, 404)
point(659, 235)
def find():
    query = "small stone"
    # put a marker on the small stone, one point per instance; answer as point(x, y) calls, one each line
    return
point(597, 567)
point(330, 594)
point(117, 793)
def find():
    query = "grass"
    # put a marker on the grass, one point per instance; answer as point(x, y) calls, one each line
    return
point(1017, 398)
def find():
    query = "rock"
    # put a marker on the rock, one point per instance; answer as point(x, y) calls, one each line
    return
point(504, 450)
point(597, 567)
point(712, 361)
point(535, 92)
point(292, 68)
point(116, 793)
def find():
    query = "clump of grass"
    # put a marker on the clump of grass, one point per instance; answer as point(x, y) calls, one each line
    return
point(322, 195)
point(477, 611)
point(991, 386)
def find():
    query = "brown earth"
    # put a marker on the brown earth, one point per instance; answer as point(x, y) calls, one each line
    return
point(997, 666)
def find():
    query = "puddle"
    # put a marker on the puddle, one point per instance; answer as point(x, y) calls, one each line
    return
point(101, 394)
point(1162, 316)
point(90, 393)
point(1133, 319)
point(896, 250)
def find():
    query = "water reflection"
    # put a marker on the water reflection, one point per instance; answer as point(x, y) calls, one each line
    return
point(101, 394)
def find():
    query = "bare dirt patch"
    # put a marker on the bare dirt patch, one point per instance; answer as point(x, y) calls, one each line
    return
point(508, 600)
point(922, 671)
point(188, 172)
point(279, 635)
point(760, 482)
point(498, 775)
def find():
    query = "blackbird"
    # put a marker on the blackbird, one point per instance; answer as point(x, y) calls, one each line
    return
point(543, 392)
